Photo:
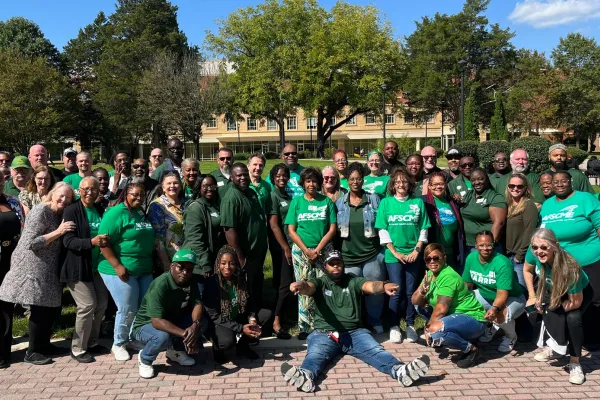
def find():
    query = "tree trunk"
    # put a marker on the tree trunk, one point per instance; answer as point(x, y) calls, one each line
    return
point(281, 132)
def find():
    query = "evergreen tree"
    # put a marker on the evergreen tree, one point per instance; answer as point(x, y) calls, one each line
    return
point(471, 117)
point(498, 129)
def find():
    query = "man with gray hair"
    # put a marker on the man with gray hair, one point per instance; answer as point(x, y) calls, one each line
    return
point(519, 162)
point(5, 160)
point(557, 154)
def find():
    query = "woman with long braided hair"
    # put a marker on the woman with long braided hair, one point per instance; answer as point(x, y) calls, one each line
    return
point(228, 306)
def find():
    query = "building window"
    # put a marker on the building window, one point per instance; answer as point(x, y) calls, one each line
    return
point(351, 121)
point(292, 123)
point(211, 123)
point(271, 125)
point(408, 117)
point(231, 125)
point(390, 119)
point(370, 119)
point(311, 123)
point(251, 123)
point(333, 120)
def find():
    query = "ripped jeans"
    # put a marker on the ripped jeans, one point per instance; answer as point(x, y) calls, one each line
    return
point(128, 297)
point(457, 332)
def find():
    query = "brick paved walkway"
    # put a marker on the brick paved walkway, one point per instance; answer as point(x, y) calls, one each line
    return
point(515, 376)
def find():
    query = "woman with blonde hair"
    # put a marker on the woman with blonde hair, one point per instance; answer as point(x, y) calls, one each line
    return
point(563, 293)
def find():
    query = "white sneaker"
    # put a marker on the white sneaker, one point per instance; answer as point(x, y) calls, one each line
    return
point(576, 375)
point(180, 357)
point(507, 344)
point(411, 334)
point(120, 352)
point(546, 355)
point(146, 371)
point(395, 334)
point(488, 334)
point(378, 329)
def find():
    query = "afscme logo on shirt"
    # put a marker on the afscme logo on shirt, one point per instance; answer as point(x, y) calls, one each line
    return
point(402, 218)
point(566, 213)
point(312, 216)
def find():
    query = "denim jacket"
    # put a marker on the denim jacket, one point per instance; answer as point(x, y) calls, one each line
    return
point(369, 214)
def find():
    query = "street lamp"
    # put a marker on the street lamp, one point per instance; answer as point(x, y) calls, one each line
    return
point(383, 88)
point(239, 140)
point(461, 66)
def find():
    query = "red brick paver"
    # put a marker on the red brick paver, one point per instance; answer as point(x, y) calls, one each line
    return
point(515, 376)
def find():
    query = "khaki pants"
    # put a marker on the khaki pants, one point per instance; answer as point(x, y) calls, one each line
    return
point(91, 299)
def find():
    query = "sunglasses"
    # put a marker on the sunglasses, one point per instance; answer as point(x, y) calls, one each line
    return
point(341, 160)
point(467, 165)
point(513, 186)
point(157, 156)
point(500, 160)
point(543, 248)
point(453, 158)
point(432, 259)
point(290, 153)
point(225, 158)
point(329, 178)
point(138, 166)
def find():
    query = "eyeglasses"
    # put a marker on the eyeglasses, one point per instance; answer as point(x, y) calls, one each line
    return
point(504, 159)
point(467, 165)
point(329, 178)
point(225, 158)
point(138, 166)
point(513, 186)
point(434, 156)
point(290, 153)
point(209, 187)
point(453, 158)
point(355, 180)
point(5, 161)
point(440, 184)
point(543, 247)
point(156, 156)
point(432, 259)
point(88, 190)
point(401, 183)
point(374, 161)
point(42, 179)
point(341, 160)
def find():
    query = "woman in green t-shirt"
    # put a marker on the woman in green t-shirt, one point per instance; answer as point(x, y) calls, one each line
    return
point(311, 222)
point(493, 279)
point(562, 296)
point(376, 182)
point(126, 263)
point(455, 317)
point(414, 166)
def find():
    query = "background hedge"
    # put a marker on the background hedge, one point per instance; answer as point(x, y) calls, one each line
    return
point(578, 154)
point(487, 150)
point(537, 147)
point(467, 148)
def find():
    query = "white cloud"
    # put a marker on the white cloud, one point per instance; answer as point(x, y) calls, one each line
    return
point(547, 13)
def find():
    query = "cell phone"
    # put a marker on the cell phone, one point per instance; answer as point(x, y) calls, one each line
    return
point(530, 309)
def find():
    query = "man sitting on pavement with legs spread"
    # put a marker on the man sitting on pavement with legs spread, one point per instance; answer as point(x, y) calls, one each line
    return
point(165, 310)
point(338, 328)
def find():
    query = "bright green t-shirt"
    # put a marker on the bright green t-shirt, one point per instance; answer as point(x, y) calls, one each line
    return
point(404, 220)
point(449, 283)
point(74, 180)
point(574, 288)
point(575, 222)
point(94, 220)
point(338, 307)
point(131, 238)
point(497, 274)
point(293, 187)
point(476, 212)
point(376, 184)
point(311, 218)
point(344, 183)
point(447, 236)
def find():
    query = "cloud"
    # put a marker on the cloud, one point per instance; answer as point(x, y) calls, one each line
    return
point(547, 13)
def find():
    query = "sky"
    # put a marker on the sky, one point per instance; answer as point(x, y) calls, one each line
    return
point(538, 24)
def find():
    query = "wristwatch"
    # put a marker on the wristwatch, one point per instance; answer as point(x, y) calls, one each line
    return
point(418, 249)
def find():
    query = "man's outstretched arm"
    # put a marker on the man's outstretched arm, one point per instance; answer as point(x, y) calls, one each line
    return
point(302, 287)
point(379, 287)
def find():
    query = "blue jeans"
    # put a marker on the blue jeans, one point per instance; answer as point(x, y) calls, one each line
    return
point(406, 276)
point(374, 270)
point(358, 343)
point(458, 330)
point(518, 267)
point(128, 297)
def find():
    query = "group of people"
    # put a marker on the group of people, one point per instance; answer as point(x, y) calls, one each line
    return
point(179, 255)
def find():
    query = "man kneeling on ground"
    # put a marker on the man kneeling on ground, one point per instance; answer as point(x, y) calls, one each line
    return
point(165, 310)
point(338, 328)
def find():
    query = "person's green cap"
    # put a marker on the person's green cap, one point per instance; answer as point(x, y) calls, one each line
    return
point(20, 162)
point(185, 255)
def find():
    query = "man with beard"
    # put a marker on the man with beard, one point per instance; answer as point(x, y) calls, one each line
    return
point(453, 156)
point(429, 155)
point(20, 170)
point(84, 162)
point(557, 154)
point(120, 177)
point(245, 226)
point(501, 167)
point(390, 157)
point(38, 155)
point(519, 162)
point(70, 162)
point(5, 160)
point(173, 163)
point(223, 173)
point(139, 174)
point(459, 186)
point(338, 328)
point(289, 155)
point(256, 165)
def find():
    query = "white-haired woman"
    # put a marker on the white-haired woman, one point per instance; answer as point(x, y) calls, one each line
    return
point(331, 184)
point(563, 293)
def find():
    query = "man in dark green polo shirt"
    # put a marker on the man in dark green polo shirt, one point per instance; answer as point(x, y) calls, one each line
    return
point(557, 154)
point(165, 310)
point(223, 173)
point(245, 226)
point(519, 163)
point(256, 166)
point(20, 172)
point(501, 167)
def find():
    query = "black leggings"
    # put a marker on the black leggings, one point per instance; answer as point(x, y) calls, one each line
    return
point(40, 327)
point(282, 279)
point(223, 338)
point(255, 278)
point(592, 315)
point(6, 322)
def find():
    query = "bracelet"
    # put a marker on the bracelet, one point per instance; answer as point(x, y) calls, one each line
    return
point(532, 297)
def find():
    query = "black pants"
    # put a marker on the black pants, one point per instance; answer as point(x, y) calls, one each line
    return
point(592, 314)
point(224, 338)
point(255, 278)
point(6, 322)
point(40, 327)
point(283, 276)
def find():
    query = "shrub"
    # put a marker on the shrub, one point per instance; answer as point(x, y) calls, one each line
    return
point(487, 150)
point(578, 154)
point(241, 157)
point(537, 147)
point(467, 148)
point(271, 155)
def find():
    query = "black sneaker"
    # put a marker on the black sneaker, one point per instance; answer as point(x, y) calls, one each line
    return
point(244, 351)
point(37, 359)
point(83, 357)
point(469, 359)
point(3, 363)
point(219, 357)
point(302, 336)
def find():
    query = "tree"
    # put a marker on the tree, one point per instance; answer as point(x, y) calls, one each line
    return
point(498, 129)
point(471, 117)
point(26, 38)
point(36, 102)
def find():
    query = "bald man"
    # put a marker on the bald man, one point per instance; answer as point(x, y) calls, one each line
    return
point(38, 155)
point(176, 151)
point(429, 155)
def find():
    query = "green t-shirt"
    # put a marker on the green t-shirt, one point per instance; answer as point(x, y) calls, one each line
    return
point(74, 180)
point(476, 212)
point(344, 183)
point(293, 187)
point(497, 274)
point(166, 300)
point(460, 186)
point(357, 248)
point(338, 306)
point(131, 238)
point(574, 288)
point(575, 222)
point(404, 220)
point(279, 205)
point(376, 184)
point(449, 283)
point(263, 191)
point(534, 181)
point(241, 210)
point(447, 236)
point(94, 220)
point(311, 218)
